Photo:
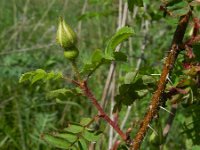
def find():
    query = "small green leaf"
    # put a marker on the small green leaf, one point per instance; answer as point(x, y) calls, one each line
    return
point(40, 71)
point(121, 35)
point(177, 5)
point(91, 136)
point(129, 77)
point(39, 74)
point(128, 93)
point(97, 56)
point(96, 60)
point(148, 79)
point(179, 9)
point(56, 141)
point(87, 67)
point(82, 144)
point(172, 2)
point(69, 137)
point(85, 121)
point(74, 128)
point(26, 76)
point(181, 12)
point(58, 92)
point(54, 75)
point(58, 75)
point(142, 93)
point(50, 75)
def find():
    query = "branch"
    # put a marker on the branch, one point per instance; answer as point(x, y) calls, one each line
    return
point(167, 68)
point(102, 114)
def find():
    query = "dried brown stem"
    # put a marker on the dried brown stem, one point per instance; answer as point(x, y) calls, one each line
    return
point(102, 114)
point(167, 68)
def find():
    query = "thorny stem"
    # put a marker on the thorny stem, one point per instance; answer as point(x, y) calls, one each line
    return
point(102, 114)
point(167, 68)
point(88, 93)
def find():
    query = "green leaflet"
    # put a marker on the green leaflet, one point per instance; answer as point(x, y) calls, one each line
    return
point(68, 136)
point(39, 74)
point(129, 77)
point(91, 136)
point(25, 77)
point(75, 135)
point(74, 128)
point(82, 144)
point(179, 8)
point(134, 88)
point(121, 35)
point(58, 92)
point(98, 58)
point(56, 141)
point(94, 62)
point(85, 121)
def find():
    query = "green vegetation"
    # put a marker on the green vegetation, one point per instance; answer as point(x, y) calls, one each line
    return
point(48, 94)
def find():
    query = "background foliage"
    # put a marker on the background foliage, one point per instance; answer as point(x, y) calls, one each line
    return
point(27, 42)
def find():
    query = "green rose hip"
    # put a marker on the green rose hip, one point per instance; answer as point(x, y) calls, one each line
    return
point(67, 39)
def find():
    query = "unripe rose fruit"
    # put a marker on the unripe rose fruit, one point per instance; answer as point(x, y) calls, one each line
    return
point(66, 37)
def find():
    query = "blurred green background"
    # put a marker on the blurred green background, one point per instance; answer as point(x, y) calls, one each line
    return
point(27, 42)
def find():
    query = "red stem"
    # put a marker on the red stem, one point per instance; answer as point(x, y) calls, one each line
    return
point(89, 94)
